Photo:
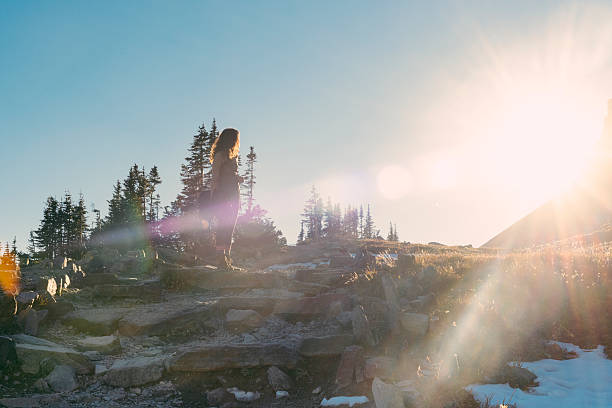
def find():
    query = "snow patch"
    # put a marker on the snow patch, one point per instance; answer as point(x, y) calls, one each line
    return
point(581, 382)
point(282, 394)
point(337, 401)
point(244, 396)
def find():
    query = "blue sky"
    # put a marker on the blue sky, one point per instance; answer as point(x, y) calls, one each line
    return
point(409, 106)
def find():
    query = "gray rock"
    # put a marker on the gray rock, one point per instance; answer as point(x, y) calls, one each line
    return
point(243, 319)
point(414, 325)
point(218, 396)
point(100, 322)
point(381, 367)
point(25, 299)
point(325, 346)
point(30, 320)
point(8, 354)
point(104, 344)
point(279, 380)
point(62, 379)
point(307, 307)
point(351, 367)
point(390, 291)
point(211, 357)
point(134, 372)
point(31, 351)
point(361, 327)
point(386, 395)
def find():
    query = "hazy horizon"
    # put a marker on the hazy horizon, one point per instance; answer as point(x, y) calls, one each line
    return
point(453, 120)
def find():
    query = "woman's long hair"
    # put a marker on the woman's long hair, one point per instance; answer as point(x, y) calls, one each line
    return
point(227, 142)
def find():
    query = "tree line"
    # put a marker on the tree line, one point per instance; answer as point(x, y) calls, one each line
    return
point(327, 220)
point(135, 210)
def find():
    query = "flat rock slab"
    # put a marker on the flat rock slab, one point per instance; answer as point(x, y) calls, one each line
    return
point(263, 305)
point(99, 322)
point(306, 307)
point(135, 371)
point(210, 278)
point(103, 344)
point(94, 279)
point(211, 357)
point(325, 346)
point(145, 290)
point(177, 317)
point(32, 350)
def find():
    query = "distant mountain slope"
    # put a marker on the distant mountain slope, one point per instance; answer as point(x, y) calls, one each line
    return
point(582, 210)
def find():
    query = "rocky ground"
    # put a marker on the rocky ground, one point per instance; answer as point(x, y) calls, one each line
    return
point(295, 331)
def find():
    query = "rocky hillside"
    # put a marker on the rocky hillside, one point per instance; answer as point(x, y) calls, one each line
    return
point(367, 324)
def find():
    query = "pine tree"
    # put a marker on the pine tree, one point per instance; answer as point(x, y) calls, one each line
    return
point(249, 177)
point(395, 236)
point(313, 216)
point(361, 221)
point(300, 239)
point(153, 180)
point(368, 228)
point(196, 172)
point(115, 214)
point(79, 222)
point(210, 140)
point(14, 247)
point(47, 236)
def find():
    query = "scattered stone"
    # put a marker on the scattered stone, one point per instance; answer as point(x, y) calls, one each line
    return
point(325, 346)
point(211, 357)
point(94, 279)
point(208, 277)
point(414, 324)
point(135, 371)
point(316, 390)
point(390, 291)
point(218, 396)
point(282, 394)
point(62, 379)
point(406, 262)
point(345, 319)
point(36, 401)
point(279, 381)
point(31, 351)
point(104, 344)
point(243, 319)
point(341, 261)
point(100, 369)
point(93, 355)
point(263, 305)
point(361, 327)
point(386, 395)
point(381, 367)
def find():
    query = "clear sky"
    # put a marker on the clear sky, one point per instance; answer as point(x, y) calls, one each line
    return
point(452, 119)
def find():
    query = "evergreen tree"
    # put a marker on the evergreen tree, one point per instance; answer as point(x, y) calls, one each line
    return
point(79, 222)
point(300, 239)
point(153, 180)
point(361, 221)
point(368, 228)
point(47, 236)
point(210, 140)
point(249, 178)
point(32, 244)
point(313, 216)
point(196, 172)
point(14, 247)
point(390, 235)
point(115, 214)
point(395, 236)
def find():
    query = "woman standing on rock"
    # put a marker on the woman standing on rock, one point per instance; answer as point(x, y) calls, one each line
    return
point(225, 192)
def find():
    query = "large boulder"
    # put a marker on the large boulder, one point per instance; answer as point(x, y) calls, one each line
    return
point(351, 367)
point(30, 319)
point(211, 357)
point(279, 380)
point(361, 327)
point(382, 367)
point(150, 290)
point(62, 379)
point(31, 351)
point(135, 371)
point(47, 283)
point(387, 395)
point(25, 299)
point(8, 354)
point(174, 318)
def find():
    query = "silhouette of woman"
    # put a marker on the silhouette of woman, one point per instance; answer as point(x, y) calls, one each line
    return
point(225, 192)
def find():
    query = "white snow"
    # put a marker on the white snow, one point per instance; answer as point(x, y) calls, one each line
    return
point(585, 381)
point(244, 396)
point(337, 401)
point(281, 394)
